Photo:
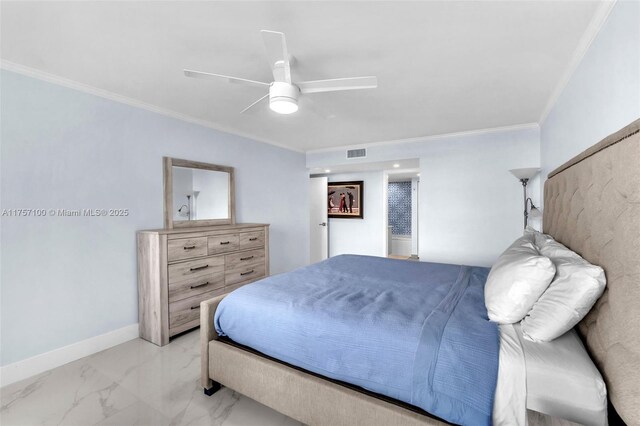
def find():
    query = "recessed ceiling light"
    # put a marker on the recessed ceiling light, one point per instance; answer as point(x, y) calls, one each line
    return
point(418, 174)
point(396, 165)
point(327, 171)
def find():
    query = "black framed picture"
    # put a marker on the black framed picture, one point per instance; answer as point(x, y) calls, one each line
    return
point(344, 199)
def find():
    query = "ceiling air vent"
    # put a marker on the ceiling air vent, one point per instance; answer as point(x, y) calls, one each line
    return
point(356, 153)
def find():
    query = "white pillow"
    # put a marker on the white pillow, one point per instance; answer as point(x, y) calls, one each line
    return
point(571, 295)
point(516, 281)
point(538, 238)
point(541, 239)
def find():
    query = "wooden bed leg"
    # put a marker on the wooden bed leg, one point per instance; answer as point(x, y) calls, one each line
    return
point(215, 387)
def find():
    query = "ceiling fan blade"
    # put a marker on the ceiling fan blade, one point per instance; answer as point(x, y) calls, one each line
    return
point(255, 103)
point(278, 55)
point(336, 84)
point(235, 80)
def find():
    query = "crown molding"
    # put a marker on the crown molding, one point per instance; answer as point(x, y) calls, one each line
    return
point(488, 130)
point(85, 88)
point(589, 35)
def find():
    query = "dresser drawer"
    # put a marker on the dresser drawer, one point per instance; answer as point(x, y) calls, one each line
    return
point(223, 243)
point(244, 273)
point(187, 311)
point(251, 239)
point(244, 259)
point(192, 270)
point(186, 248)
point(193, 286)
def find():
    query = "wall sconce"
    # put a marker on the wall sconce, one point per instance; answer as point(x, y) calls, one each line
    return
point(523, 175)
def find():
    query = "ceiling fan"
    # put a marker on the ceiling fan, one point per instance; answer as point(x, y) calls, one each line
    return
point(283, 93)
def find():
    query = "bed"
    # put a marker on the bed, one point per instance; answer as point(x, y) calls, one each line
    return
point(574, 214)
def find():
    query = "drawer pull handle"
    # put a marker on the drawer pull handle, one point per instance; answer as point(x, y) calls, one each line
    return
point(199, 268)
point(246, 273)
point(224, 243)
point(253, 239)
point(199, 285)
point(246, 258)
point(195, 307)
point(189, 248)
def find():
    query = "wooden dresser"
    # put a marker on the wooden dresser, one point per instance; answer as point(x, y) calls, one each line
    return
point(179, 268)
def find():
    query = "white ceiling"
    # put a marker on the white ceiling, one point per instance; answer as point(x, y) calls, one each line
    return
point(442, 66)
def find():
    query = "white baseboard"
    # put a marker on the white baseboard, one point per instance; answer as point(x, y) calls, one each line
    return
point(26, 368)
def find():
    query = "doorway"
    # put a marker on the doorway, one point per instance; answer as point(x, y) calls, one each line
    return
point(402, 214)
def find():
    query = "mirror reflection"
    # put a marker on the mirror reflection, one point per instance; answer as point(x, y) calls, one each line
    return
point(200, 194)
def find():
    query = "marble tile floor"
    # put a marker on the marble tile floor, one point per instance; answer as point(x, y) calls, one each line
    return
point(135, 383)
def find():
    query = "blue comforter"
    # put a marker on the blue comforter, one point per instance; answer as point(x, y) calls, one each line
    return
point(414, 331)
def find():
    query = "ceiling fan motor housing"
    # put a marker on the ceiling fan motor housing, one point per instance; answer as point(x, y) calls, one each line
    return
point(282, 92)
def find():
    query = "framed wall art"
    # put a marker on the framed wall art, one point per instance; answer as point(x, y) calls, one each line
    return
point(345, 200)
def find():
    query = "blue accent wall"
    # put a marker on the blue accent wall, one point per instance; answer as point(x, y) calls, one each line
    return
point(399, 199)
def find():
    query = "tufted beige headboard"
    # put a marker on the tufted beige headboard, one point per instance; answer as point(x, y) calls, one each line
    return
point(592, 205)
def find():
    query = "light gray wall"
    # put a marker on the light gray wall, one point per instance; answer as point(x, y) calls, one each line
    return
point(361, 236)
point(470, 206)
point(602, 96)
point(66, 279)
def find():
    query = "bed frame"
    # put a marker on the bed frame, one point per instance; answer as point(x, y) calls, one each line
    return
point(591, 205)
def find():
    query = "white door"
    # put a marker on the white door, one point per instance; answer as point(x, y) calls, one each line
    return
point(319, 223)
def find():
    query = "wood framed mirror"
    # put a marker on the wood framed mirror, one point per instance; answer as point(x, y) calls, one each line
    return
point(197, 194)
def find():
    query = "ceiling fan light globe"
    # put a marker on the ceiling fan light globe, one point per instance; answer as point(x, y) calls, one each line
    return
point(283, 97)
point(283, 105)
